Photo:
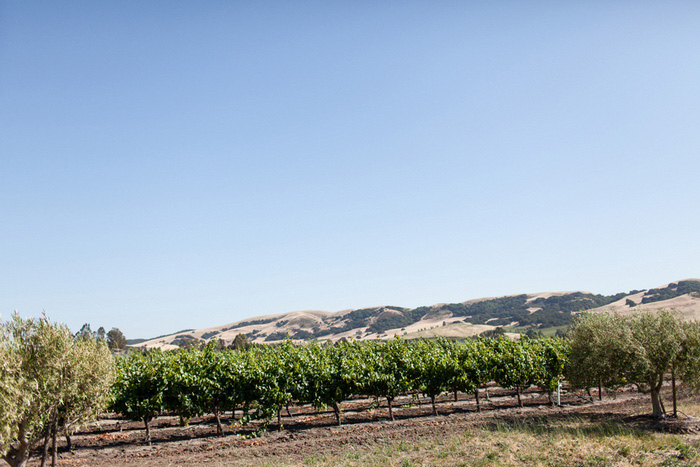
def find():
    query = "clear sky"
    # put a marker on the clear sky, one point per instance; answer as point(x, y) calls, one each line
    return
point(171, 165)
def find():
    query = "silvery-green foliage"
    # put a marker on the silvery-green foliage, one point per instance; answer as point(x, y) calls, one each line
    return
point(48, 376)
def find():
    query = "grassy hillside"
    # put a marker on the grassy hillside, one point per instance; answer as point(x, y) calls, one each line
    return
point(543, 312)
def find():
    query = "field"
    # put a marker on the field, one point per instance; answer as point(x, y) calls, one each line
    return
point(614, 431)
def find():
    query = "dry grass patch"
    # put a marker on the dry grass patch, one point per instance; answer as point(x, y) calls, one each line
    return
point(568, 441)
point(687, 406)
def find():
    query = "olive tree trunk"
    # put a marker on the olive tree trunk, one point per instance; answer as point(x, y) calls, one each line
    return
point(69, 442)
point(656, 404)
point(18, 457)
point(54, 444)
point(45, 450)
point(657, 410)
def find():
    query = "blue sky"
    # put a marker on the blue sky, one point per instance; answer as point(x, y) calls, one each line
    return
point(170, 165)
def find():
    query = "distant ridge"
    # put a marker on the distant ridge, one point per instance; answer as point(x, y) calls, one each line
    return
point(133, 342)
point(516, 313)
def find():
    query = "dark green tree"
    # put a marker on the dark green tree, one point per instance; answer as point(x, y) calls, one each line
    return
point(240, 342)
point(116, 340)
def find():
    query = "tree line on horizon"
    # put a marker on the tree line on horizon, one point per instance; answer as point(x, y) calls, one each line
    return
point(114, 338)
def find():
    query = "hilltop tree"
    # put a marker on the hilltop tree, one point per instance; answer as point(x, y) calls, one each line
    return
point(240, 342)
point(493, 333)
point(116, 340)
point(85, 332)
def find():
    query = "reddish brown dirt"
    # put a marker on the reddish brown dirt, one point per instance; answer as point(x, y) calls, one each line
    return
point(113, 441)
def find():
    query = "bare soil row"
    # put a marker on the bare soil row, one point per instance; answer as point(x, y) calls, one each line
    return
point(305, 431)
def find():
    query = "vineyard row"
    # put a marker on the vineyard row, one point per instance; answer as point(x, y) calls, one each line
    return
point(261, 380)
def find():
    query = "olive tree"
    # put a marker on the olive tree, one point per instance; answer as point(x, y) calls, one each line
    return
point(49, 381)
point(658, 338)
point(90, 374)
point(687, 366)
point(12, 398)
point(601, 351)
point(640, 349)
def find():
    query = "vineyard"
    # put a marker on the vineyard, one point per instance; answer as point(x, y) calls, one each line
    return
point(261, 385)
point(263, 380)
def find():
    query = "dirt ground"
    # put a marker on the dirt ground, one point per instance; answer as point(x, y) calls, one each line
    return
point(112, 441)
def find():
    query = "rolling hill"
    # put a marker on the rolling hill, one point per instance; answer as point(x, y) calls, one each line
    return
point(513, 312)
